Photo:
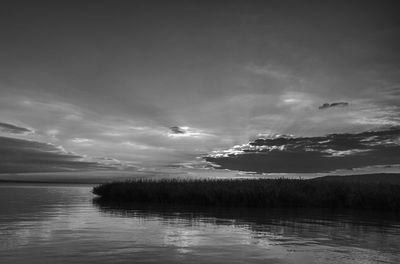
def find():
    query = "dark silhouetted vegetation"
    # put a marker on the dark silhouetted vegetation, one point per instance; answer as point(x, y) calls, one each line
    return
point(271, 193)
point(391, 178)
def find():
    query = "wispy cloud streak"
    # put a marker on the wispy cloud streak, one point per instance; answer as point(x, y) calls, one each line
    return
point(13, 129)
point(18, 155)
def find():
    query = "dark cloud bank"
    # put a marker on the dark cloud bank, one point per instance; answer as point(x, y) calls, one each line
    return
point(312, 154)
point(18, 155)
point(9, 128)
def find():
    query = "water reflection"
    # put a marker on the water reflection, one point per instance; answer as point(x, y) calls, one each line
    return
point(61, 224)
point(309, 235)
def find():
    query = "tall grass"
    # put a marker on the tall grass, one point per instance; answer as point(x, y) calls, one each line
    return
point(278, 193)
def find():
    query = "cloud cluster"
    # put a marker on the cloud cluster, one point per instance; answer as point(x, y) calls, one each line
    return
point(177, 130)
point(18, 155)
point(286, 154)
point(13, 129)
point(338, 104)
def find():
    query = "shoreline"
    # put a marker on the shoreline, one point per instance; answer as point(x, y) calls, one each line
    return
point(393, 178)
point(263, 193)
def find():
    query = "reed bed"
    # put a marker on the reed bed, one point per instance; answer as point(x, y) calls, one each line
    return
point(269, 193)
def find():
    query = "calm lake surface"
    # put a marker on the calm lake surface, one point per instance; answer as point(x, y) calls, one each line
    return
point(62, 224)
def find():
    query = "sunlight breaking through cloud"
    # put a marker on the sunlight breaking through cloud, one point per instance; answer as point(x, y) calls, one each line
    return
point(312, 154)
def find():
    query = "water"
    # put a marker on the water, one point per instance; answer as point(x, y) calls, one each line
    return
point(62, 224)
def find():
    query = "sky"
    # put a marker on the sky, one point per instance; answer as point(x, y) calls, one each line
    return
point(145, 84)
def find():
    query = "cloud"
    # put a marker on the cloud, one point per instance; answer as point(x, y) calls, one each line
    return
point(270, 70)
point(187, 132)
point(338, 104)
point(18, 155)
point(82, 140)
point(286, 154)
point(13, 129)
point(177, 130)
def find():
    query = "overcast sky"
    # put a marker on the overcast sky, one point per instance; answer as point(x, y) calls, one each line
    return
point(163, 82)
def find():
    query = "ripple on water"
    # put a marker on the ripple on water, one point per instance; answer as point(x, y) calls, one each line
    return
point(61, 224)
